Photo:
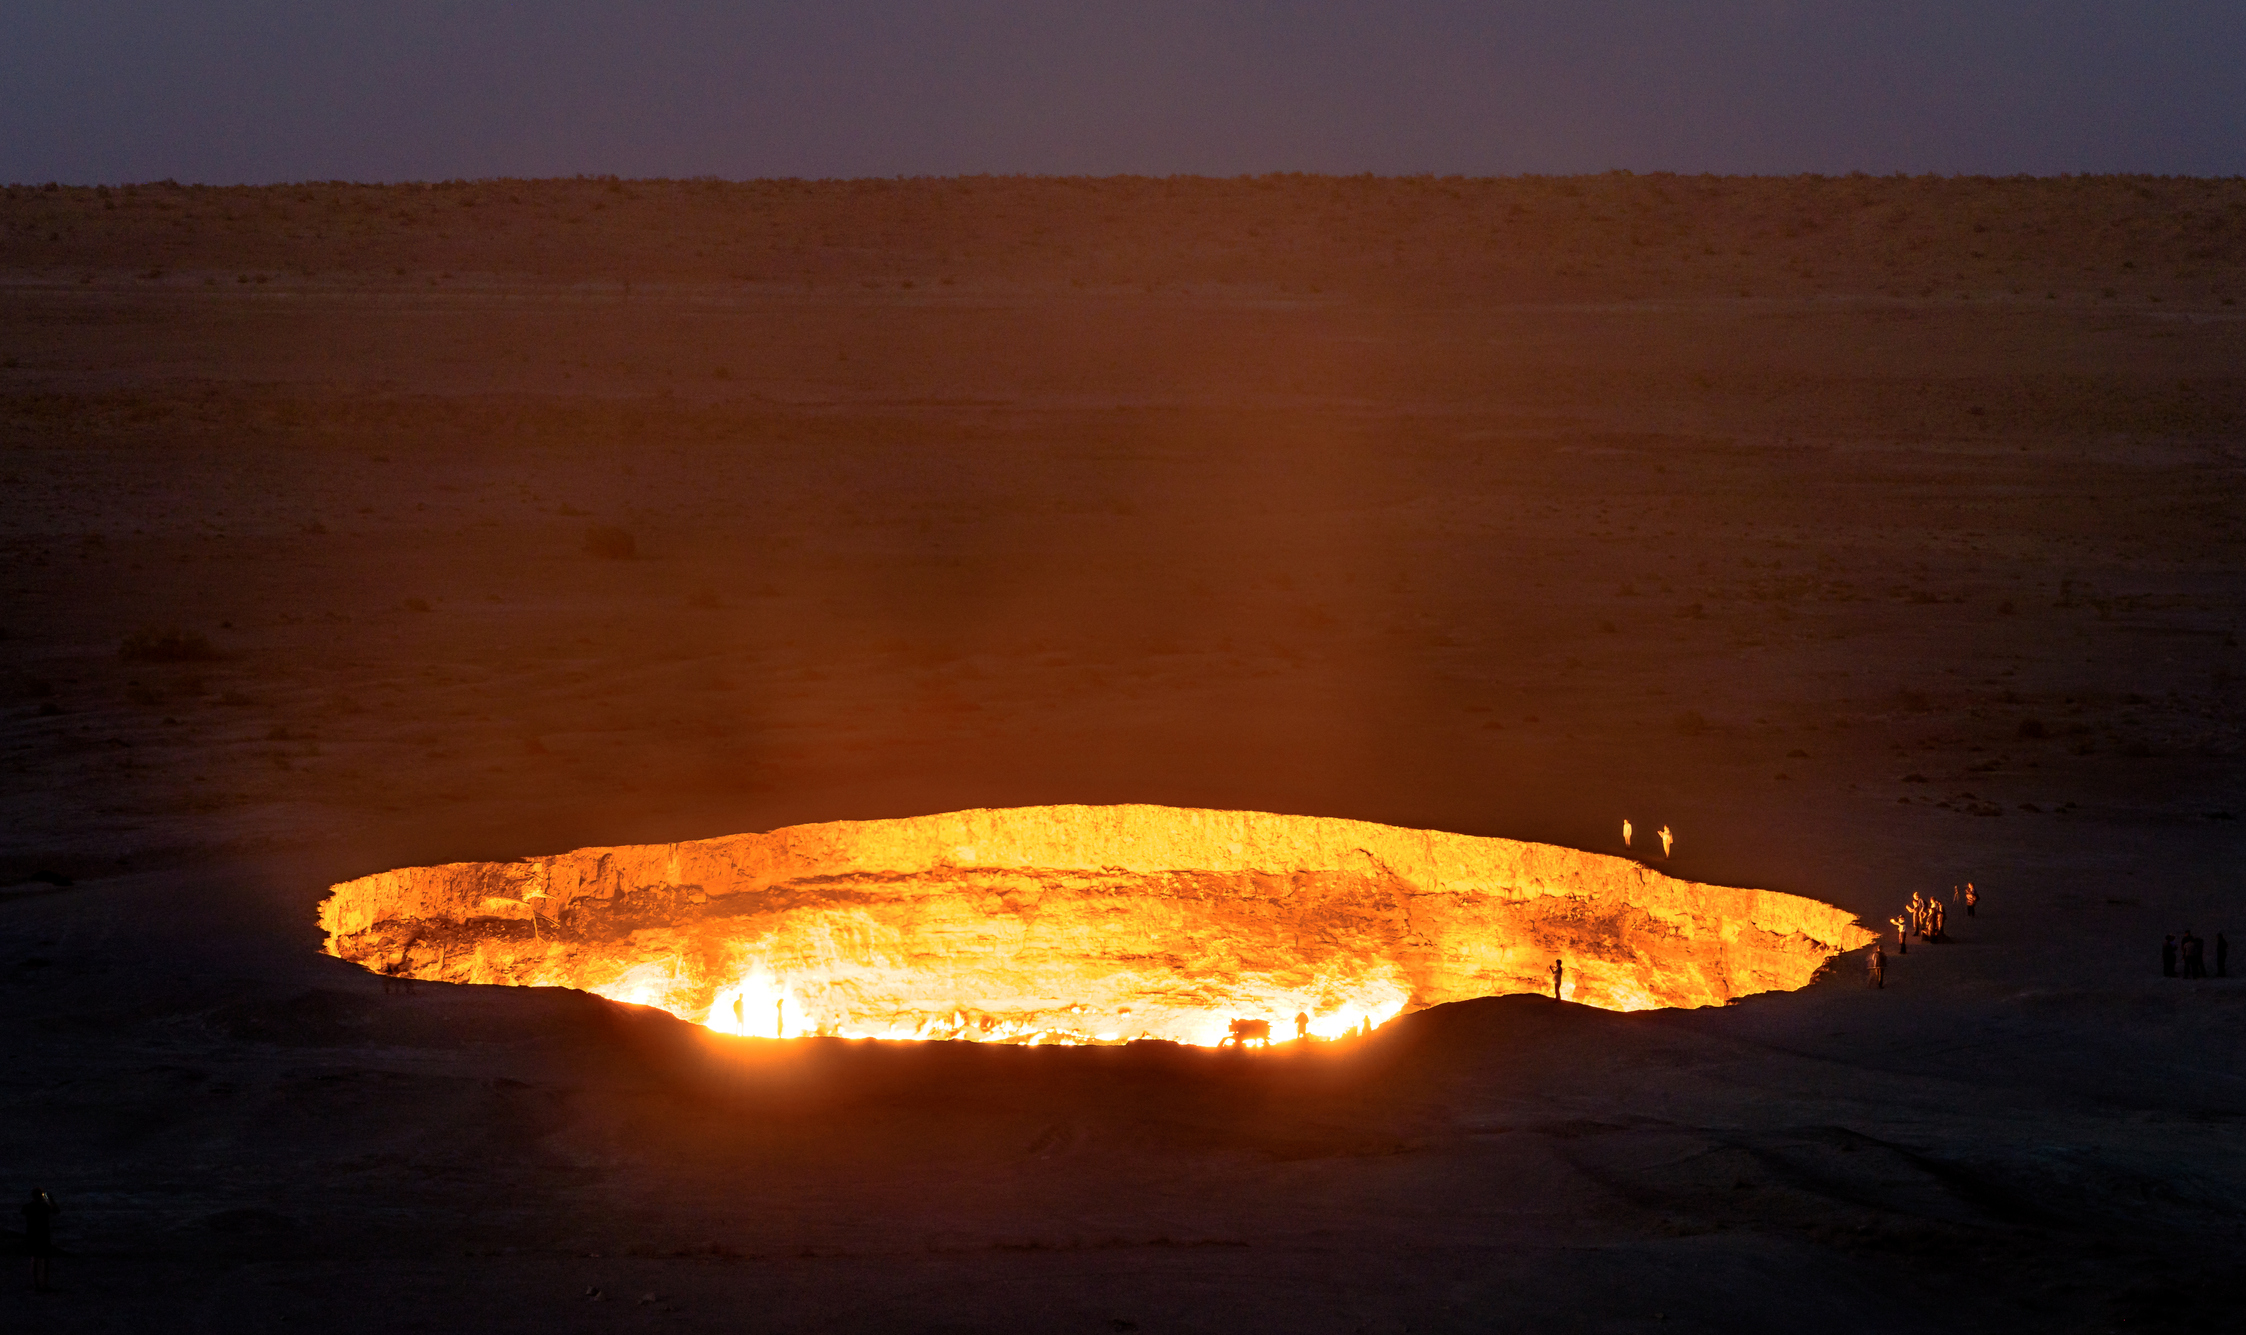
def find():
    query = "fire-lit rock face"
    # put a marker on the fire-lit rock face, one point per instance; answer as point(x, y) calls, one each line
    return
point(1082, 924)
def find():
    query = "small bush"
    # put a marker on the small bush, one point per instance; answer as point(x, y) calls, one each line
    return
point(167, 646)
point(610, 543)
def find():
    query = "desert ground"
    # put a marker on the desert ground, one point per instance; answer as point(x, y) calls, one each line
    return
point(1874, 534)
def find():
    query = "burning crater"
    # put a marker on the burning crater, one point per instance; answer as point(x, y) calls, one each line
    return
point(1081, 925)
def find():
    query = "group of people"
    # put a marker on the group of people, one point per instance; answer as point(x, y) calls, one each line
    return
point(1927, 916)
point(2191, 954)
point(1668, 840)
point(1924, 917)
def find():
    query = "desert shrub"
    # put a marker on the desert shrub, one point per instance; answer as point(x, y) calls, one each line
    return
point(167, 646)
point(610, 543)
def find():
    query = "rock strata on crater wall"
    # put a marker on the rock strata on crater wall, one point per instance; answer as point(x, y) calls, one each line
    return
point(1082, 924)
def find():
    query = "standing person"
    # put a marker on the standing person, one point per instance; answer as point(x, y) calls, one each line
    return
point(2222, 956)
point(1625, 831)
point(1902, 934)
point(1556, 971)
point(2195, 955)
point(1876, 965)
point(1972, 897)
point(1302, 1026)
point(39, 1238)
point(2168, 956)
point(1668, 841)
point(1937, 915)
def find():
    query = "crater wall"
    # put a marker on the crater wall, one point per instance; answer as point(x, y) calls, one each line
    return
point(1076, 923)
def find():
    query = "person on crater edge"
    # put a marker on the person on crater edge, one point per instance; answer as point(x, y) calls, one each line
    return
point(39, 1238)
point(1668, 841)
point(1972, 898)
point(1557, 971)
point(1625, 831)
point(1902, 934)
point(1302, 1026)
point(1875, 966)
point(2194, 954)
point(2168, 956)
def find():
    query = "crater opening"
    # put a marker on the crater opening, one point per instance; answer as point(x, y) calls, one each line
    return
point(1077, 924)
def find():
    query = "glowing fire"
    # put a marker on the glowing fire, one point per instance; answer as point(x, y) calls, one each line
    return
point(1082, 925)
point(857, 999)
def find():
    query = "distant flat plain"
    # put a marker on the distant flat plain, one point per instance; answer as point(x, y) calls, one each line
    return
point(1874, 534)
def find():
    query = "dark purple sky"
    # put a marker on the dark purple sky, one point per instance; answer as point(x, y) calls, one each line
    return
point(264, 90)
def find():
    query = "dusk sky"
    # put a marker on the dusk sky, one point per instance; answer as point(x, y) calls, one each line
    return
point(266, 90)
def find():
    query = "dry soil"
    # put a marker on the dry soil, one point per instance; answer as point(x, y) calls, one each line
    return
point(1874, 535)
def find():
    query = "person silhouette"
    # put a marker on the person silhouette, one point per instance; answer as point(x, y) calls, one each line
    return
point(1625, 831)
point(1875, 966)
point(1557, 971)
point(1302, 1026)
point(1668, 841)
point(39, 1237)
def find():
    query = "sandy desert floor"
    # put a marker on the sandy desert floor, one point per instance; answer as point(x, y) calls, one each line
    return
point(1862, 592)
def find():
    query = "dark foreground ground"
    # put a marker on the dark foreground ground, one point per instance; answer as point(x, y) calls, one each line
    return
point(1862, 590)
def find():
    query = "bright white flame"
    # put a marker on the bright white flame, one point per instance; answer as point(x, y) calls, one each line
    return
point(762, 1005)
point(758, 1006)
